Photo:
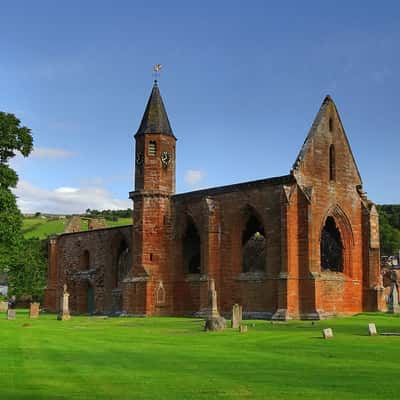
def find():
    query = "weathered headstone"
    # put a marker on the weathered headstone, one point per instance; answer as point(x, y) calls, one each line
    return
point(327, 333)
point(236, 316)
point(214, 322)
point(393, 304)
point(64, 315)
point(3, 306)
point(11, 313)
point(34, 310)
point(372, 329)
point(242, 328)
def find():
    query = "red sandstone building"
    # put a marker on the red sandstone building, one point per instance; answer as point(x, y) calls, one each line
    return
point(302, 245)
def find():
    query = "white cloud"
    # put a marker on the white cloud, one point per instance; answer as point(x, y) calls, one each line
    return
point(65, 189)
point(48, 152)
point(194, 177)
point(66, 200)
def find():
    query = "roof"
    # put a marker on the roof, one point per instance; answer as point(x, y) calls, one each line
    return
point(313, 131)
point(279, 180)
point(155, 118)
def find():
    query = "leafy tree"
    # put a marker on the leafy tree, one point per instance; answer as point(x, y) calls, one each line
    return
point(13, 138)
point(27, 270)
point(389, 221)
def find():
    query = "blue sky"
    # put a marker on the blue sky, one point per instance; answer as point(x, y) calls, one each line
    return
point(242, 82)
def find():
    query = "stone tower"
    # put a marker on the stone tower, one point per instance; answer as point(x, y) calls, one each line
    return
point(149, 291)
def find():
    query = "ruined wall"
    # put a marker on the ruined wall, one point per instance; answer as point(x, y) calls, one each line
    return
point(92, 264)
point(220, 216)
point(330, 182)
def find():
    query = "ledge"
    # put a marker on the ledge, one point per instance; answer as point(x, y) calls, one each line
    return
point(251, 276)
point(332, 276)
point(136, 279)
point(196, 277)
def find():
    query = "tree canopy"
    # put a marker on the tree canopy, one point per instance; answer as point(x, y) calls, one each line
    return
point(23, 260)
point(389, 221)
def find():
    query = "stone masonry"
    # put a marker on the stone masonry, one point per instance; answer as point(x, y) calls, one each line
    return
point(302, 245)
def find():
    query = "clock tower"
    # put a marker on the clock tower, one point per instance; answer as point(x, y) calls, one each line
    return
point(154, 186)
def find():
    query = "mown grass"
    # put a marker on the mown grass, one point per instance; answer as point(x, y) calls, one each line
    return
point(172, 358)
point(38, 227)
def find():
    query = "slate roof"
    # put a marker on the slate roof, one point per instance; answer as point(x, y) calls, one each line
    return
point(155, 118)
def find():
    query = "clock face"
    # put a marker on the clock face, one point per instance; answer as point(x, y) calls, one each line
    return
point(139, 158)
point(165, 158)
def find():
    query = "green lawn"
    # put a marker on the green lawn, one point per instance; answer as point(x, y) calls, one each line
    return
point(171, 358)
point(38, 227)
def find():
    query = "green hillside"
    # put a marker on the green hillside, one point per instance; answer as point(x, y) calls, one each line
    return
point(41, 227)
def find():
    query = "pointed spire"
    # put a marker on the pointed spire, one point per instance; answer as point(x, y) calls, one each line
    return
point(155, 118)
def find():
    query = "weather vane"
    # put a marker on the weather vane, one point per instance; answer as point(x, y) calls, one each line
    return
point(156, 71)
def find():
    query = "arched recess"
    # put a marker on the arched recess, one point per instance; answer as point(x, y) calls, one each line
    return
point(121, 268)
point(336, 242)
point(85, 260)
point(191, 248)
point(254, 242)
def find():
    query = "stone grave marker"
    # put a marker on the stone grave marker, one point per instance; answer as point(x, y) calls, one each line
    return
point(242, 328)
point(3, 306)
point(372, 329)
point(11, 314)
point(214, 322)
point(393, 303)
point(34, 310)
point(237, 314)
point(64, 315)
point(327, 333)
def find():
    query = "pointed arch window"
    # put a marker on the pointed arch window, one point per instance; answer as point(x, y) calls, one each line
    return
point(192, 249)
point(330, 124)
point(332, 163)
point(331, 247)
point(253, 245)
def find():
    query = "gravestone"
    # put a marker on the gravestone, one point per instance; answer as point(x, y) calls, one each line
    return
point(34, 310)
point(236, 316)
point(11, 313)
point(3, 306)
point(64, 315)
point(242, 328)
point(214, 322)
point(327, 333)
point(393, 303)
point(372, 329)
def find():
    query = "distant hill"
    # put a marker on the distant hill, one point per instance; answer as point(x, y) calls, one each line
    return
point(43, 226)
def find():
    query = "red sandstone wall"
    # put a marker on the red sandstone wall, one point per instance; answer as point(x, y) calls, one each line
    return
point(220, 220)
point(334, 292)
point(66, 266)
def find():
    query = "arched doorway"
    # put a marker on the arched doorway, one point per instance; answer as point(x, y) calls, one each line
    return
point(254, 244)
point(90, 299)
point(331, 247)
point(120, 271)
point(192, 249)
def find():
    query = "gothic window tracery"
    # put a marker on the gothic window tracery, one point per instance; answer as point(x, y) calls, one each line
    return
point(331, 247)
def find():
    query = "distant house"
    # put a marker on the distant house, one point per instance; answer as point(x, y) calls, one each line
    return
point(3, 283)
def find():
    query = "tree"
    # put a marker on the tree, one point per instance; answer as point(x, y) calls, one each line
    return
point(389, 229)
point(13, 138)
point(27, 270)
